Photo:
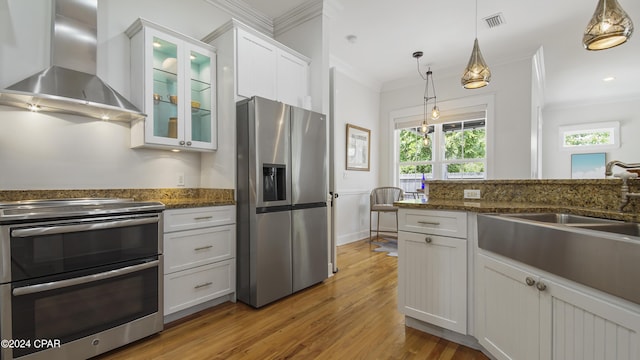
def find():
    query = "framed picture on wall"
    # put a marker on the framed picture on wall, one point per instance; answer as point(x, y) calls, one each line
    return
point(358, 148)
point(588, 166)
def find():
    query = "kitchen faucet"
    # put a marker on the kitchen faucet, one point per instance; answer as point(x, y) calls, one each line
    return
point(625, 195)
point(611, 164)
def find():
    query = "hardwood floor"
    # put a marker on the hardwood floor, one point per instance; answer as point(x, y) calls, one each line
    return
point(352, 315)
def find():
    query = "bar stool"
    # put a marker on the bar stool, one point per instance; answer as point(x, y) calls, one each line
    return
point(381, 201)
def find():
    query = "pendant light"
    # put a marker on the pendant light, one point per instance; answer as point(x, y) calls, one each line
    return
point(477, 73)
point(435, 111)
point(610, 26)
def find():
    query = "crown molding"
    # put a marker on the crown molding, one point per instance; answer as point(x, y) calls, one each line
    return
point(246, 13)
point(332, 7)
point(296, 16)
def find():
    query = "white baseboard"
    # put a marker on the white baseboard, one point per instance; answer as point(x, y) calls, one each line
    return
point(194, 309)
point(352, 237)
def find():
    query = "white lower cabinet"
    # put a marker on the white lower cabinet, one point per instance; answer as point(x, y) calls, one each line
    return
point(199, 249)
point(432, 269)
point(507, 311)
point(522, 314)
point(197, 285)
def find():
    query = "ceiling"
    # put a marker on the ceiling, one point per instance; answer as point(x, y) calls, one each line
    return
point(388, 32)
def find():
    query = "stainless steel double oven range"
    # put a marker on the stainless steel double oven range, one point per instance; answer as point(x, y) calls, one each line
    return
point(78, 277)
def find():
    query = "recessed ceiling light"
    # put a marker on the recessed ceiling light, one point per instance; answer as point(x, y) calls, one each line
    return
point(609, 78)
point(352, 38)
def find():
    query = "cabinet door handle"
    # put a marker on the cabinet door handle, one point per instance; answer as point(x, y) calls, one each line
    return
point(203, 248)
point(188, 143)
point(181, 142)
point(429, 223)
point(203, 217)
point(202, 285)
point(530, 281)
point(541, 286)
point(428, 239)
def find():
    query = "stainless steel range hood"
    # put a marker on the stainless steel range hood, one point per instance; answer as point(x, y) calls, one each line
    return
point(70, 84)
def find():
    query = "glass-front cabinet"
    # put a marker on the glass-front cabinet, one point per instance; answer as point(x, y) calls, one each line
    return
point(173, 82)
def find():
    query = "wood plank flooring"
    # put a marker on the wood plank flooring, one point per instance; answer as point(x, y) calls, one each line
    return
point(352, 315)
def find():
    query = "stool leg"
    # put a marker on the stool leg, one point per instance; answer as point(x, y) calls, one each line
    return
point(397, 225)
point(378, 226)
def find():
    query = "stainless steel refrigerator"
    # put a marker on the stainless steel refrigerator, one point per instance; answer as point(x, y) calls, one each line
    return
point(282, 238)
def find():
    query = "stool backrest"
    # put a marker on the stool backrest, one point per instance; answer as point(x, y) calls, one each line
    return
point(385, 195)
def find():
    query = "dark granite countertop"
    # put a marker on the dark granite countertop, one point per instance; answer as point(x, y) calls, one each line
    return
point(481, 206)
point(178, 198)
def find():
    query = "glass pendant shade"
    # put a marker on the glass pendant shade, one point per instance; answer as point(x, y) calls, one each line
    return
point(425, 141)
point(423, 129)
point(477, 73)
point(435, 113)
point(610, 26)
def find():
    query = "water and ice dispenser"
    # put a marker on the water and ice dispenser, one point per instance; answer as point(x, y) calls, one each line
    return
point(274, 180)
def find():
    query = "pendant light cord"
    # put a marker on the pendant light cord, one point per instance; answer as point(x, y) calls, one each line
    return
point(476, 19)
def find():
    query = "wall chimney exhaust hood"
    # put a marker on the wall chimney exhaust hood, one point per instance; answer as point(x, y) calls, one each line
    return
point(70, 85)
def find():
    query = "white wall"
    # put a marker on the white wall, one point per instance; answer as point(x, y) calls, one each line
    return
point(52, 151)
point(357, 104)
point(310, 38)
point(511, 86)
point(556, 163)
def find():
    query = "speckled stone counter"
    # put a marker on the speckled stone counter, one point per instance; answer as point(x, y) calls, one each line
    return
point(599, 198)
point(172, 198)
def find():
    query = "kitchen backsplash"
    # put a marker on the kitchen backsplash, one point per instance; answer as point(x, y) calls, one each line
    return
point(603, 194)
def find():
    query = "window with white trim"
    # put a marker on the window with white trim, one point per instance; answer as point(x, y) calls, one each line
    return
point(457, 149)
point(593, 136)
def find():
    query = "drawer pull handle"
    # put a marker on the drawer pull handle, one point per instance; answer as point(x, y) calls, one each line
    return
point(530, 281)
point(203, 247)
point(428, 239)
point(203, 217)
point(429, 223)
point(203, 285)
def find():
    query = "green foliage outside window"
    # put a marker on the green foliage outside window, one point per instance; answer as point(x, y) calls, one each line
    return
point(461, 145)
point(588, 138)
point(412, 149)
point(467, 144)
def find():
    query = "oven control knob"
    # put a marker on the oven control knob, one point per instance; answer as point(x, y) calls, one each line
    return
point(95, 342)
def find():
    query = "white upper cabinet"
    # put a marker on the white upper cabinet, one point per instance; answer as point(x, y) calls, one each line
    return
point(173, 80)
point(256, 61)
point(292, 84)
point(261, 65)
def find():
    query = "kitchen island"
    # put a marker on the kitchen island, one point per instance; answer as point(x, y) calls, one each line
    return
point(450, 287)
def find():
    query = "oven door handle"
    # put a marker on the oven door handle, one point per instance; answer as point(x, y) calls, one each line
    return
point(32, 289)
point(63, 229)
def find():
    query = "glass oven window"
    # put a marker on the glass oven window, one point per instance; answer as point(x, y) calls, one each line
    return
point(74, 312)
point(43, 255)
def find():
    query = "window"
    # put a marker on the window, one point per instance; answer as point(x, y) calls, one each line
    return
point(590, 136)
point(457, 149)
point(465, 144)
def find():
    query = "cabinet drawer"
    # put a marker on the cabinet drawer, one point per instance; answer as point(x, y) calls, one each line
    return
point(196, 218)
point(187, 288)
point(187, 249)
point(436, 222)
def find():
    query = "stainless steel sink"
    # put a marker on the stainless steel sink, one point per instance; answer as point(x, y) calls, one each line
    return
point(629, 229)
point(559, 218)
point(602, 254)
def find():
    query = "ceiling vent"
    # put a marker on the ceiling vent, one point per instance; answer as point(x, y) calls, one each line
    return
point(494, 20)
